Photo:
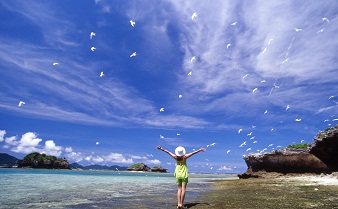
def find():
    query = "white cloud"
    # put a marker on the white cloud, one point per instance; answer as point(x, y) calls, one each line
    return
point(2, 134)
point(88, 158)
point(51, 149)
point(117, 158)
point(137, 157)
point(155, 162)
point(145, 160)
point(97, 159)
point(74, 156)
point(330, 108)
point(224, 168)
point(69, 149)
point(11, 141)
point(27, 144)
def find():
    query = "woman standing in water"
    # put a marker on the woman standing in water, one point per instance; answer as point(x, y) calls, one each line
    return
point(181, 171)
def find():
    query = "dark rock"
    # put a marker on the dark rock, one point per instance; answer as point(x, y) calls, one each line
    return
point(286, 161)
point(320, 157)
point(43, 164)
point(325, 147)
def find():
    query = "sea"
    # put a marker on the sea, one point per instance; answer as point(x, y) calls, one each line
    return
point(81, 189)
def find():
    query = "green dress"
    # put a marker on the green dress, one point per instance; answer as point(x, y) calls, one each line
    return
point(181, 171)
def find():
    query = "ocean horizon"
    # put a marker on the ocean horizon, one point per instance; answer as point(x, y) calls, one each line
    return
point(45, 188)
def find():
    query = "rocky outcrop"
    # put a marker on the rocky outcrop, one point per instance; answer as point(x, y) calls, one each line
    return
point(43, 164)
point(325, 147)
point(37, 160)
point(319, 157)
point(139, 167)
point(159, 169)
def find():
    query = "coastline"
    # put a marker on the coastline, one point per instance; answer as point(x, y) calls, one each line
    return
point(290, 191)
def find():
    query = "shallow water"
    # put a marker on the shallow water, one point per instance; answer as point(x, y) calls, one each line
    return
point(40, 188)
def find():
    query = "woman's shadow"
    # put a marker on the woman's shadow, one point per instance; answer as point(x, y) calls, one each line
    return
point(192, 204)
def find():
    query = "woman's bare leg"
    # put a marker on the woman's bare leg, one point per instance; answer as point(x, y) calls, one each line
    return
point(183, 189)
point(179, 195)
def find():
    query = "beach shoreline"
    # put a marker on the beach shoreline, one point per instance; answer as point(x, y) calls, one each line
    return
point(288, 191)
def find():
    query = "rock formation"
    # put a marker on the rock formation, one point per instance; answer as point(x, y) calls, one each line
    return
point(139, 167)
point(37, 160)
point(319, 157)
point(325, 147)
point(159, 169)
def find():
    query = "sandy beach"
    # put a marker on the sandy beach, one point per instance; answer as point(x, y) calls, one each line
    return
point(300, 191)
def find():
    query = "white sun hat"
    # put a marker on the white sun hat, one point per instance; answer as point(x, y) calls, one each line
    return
point(180, 151)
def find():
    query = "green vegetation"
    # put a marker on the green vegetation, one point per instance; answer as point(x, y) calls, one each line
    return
point(37, 157)
point(137, 166)
point(324, 133)
point(297, 146)
point(157, 167)
point(37, 160)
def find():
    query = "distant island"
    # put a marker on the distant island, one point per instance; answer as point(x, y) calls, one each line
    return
point(97, 167)
point(144, 167)
point(7, 161)
point(37, 160)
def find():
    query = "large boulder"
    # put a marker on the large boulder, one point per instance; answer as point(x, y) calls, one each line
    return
point(286, 161)
point(319, 157)
point(325, 147)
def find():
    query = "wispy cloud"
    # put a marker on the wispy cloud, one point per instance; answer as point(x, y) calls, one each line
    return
point(215, 93)
point(76, 91)
point(296, 61)
point(55, 29)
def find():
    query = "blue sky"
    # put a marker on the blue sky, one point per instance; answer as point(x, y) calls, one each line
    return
point(264, 75)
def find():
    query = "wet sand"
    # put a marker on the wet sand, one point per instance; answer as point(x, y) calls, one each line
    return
point(280, 192)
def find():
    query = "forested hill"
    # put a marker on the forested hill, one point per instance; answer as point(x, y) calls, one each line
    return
point(6, 159)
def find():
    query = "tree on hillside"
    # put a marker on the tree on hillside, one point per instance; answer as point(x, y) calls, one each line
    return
point(37, 160)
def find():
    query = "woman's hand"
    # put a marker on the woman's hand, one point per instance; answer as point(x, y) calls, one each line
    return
point(159, 147)
point(202, 149)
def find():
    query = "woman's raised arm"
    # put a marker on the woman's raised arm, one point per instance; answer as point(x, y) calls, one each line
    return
point(166, 151)
point(195, 152)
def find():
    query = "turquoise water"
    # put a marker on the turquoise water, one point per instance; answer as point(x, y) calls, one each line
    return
point(40, 188)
